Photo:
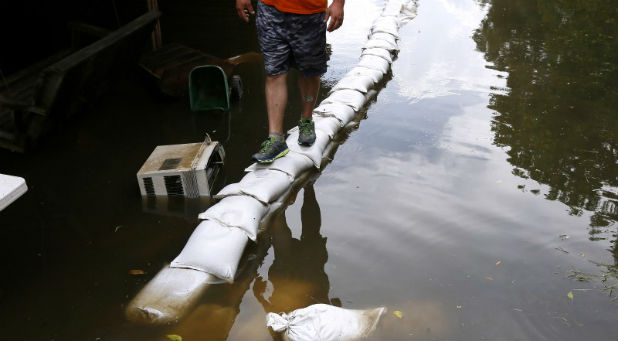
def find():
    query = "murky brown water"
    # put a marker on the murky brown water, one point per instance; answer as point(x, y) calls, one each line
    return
point(480, 189)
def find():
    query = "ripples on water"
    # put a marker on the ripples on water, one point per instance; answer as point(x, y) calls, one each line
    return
point(478, 192)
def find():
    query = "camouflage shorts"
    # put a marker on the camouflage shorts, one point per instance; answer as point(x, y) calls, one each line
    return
point(291, 40)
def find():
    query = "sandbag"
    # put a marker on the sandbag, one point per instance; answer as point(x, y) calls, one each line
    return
point(374, 62)
point(329, 125)
point(375, 75)
point(265, 185)
point(340, 111)
point(383, 36)
point(381, 44)
point(214, 249)
point(351, 98)
point(325, 322)
point(387, 24)
point(292, 164)
point(359, 83)
point(239, 211)
point(382, 53)
point(314, 152)
point(392, 8)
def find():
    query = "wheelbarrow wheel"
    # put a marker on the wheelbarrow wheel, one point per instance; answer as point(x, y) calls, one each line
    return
point(237, 88)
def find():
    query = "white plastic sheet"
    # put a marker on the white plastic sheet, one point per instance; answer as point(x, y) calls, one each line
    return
point(375, 75)
point(266, 185)
point(292, 164)
point(352, 98)
point(240, 211)
point(214, 249)
point(374, 62)
point(359, 83)
point(325, 322)
point(386, 24)
point(314, 152)
point(382, 53)
point(340, 111)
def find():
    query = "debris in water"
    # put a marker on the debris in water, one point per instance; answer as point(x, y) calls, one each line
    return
point(570, 295)
point(174, 337)
point(459, 306)
point(489, 278)
point(117, 228)
point(564, 236)
point(517, 309)
point(136, 272)
point(398, 313)
point(561, 249)
point(498, 262)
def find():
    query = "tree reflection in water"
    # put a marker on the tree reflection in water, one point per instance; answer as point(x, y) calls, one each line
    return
point(558, 117)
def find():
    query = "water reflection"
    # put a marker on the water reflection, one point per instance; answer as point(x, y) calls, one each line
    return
point(296, 278)
point(558, 118)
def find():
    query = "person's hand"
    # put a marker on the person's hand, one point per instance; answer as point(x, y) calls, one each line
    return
point(244, 8)
point(335, 13)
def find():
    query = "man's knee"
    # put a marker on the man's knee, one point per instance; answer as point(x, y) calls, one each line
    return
point(276, 78)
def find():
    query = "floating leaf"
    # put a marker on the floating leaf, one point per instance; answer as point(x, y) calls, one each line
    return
point(570, 295)
point(398, 313)
point(174, 337)
point(498, 262)
point(117, 228)
point(489, 278)
point(136, 272)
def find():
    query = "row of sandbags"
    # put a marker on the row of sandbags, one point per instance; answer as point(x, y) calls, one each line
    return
point(216, 246)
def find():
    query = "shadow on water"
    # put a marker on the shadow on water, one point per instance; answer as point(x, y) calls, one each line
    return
point(557, 119)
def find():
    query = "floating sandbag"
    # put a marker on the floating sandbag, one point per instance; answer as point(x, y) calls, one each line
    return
point(351, 98)
point(342, 112)
point(292, 164)
point(382, 53)
point(314, 152)
point(240, 211)
point(214, 249)
point(375, 75)
point(374, 62)
point(359, 83)
point(388, 25)
point(168, 296)
point(325, 322)
point(265, 185)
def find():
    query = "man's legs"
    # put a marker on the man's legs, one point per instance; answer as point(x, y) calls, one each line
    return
point(276, 100)
point(309, 87)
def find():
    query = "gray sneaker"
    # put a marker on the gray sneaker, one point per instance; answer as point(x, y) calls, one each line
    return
point(306, 132)
point(270, 150)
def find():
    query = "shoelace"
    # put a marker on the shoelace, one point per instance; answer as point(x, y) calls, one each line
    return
point(266, 145)
point(305, 127)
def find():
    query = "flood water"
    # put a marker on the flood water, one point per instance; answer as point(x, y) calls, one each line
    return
point(477, 194)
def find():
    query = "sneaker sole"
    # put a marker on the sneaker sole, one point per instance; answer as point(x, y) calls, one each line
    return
point(281, 154)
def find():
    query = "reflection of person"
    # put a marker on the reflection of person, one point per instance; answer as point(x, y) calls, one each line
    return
point(297, 274)
point(292, 33)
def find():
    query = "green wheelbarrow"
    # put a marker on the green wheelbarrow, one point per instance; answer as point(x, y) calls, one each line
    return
point(209, 88)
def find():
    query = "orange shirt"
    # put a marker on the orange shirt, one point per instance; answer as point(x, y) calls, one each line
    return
point(298, 6)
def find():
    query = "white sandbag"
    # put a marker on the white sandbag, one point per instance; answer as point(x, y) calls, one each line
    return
point(388, 25)
point(392, 8)
point(383, 36)
point(265, 185)
point(374, 62)
point(374, 43)
point(292, 164)
point(359, 83)
point(314, 152)
point(375, 75)
point(329, 125)
point(325, 322)
point(240, 211)
point(169, 296)
point(382, 53)
point(351, 98)
point(340, 111)
point(214, 249)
